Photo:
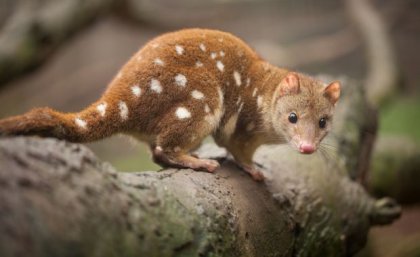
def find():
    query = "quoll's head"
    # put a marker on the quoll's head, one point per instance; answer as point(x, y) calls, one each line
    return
point(303, 110)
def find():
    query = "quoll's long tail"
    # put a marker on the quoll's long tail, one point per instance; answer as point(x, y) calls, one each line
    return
point(88, 125)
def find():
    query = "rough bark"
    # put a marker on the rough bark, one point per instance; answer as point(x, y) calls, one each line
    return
point(57, 199)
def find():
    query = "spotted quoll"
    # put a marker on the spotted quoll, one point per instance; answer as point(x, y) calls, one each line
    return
point(183, 86)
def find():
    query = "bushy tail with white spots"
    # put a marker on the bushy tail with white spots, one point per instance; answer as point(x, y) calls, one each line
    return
point(85, 126)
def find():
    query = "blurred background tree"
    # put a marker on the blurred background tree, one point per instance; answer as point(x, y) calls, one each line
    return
point(62, 53)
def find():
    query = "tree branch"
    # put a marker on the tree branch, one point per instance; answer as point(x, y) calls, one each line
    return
point(57, 199)
point(36, 28)
point(383, 73)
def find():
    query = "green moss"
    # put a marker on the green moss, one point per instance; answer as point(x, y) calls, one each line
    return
point(394, 169)
point(140, 161)
point(383, 175)
point(401, 116)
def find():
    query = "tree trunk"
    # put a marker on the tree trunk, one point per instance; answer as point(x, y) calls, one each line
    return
point(57, 199)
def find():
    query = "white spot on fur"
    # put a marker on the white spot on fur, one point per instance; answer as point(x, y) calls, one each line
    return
point(248, 82)
point(197, 94)
point(193, 138)
point(182, 113)
point(230, 126)
point(181, 80)
point(250, 126)
point(101, 109)
point(220, 66)
point(156, 86)
point(222, 54)
point(202, 47)
point(218, 112)
point(136, 90)
point(259, 101)
point(238, 101)
point(213, 55)
point(221, 96)
point(179, 49)
point(159, 62)
point(155, 45)
point(206, 108)
point(254, 93)
point(81, 123)
point(177, 149)
point(139, 58)
point(198, 64)
point(266, 67)
point(123, 110)
point(211, 120)
point(240, 107)
point(237, 77)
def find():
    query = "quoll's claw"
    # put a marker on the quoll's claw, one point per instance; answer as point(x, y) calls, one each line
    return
point(183, 161)
point(256, 174)
point(201, 164)
point(211, 165)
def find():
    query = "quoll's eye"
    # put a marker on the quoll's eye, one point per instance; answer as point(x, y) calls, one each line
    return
point(322, 122)
point(293, 117)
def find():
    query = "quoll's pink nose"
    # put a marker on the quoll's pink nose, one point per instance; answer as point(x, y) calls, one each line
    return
point(306, 148)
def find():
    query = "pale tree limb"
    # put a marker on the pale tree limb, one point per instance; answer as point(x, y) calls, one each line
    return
point(383, 74)
point(309, 51)
point(36, 28)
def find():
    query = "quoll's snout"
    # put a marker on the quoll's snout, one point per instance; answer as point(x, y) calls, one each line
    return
point(306, 148)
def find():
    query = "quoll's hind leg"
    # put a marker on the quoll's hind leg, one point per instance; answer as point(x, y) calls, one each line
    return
point(243, 151)
point(183, 160)
point(194, 110)
point(173, 146)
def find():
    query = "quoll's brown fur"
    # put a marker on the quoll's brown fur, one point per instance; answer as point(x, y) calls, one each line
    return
point(186, 85)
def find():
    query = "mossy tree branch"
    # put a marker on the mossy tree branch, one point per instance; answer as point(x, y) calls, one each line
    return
point(57, 199)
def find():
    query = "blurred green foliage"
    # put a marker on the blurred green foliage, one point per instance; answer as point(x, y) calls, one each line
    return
point(141, 160)
point(401, 116)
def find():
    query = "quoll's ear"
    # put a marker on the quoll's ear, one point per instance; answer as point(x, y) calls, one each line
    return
point(289, 85)
point(332, 92)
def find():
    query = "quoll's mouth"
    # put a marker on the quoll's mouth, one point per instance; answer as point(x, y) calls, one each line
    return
point(306, 152)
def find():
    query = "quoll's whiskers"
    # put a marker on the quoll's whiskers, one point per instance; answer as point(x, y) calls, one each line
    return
point(324, 155)
point(329, 154)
